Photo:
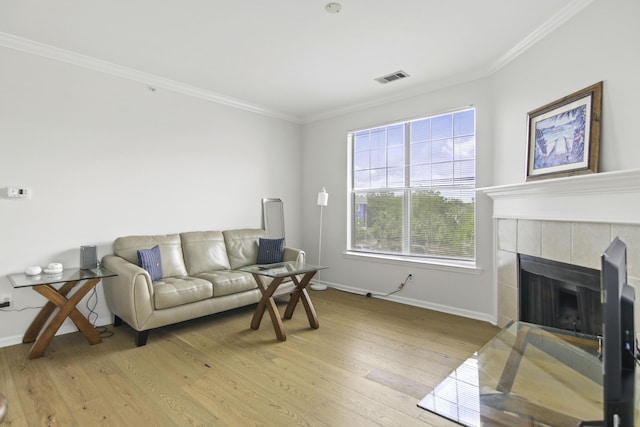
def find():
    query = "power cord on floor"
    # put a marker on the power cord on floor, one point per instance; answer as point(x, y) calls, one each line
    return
point(409, 277)
point(21, 309)
point(92, 303)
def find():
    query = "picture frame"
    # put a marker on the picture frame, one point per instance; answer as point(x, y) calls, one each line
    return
point(564, 135)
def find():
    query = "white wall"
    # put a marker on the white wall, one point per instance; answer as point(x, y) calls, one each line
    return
point(600, 43)
point(106, 157)
point(325, 164)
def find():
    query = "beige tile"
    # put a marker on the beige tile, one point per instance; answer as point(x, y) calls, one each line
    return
point(507, 301)
point(588, 243)
point(503, 321)
point(556, 241)
point(630, 235)
point(507, 234)
point(507, 263)
point(529, 237)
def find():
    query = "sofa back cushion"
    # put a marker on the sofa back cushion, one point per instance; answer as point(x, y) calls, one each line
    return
point(170, 251)
point(204, 251)
point(242, 246)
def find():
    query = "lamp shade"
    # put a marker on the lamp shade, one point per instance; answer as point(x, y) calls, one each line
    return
point(323, 197)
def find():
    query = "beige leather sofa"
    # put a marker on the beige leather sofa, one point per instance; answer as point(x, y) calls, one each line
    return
point(199, 277)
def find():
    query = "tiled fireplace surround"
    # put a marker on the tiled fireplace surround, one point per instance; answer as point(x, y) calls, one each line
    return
point(571, 220)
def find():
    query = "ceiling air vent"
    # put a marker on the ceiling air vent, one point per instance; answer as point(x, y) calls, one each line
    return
point(392, 77)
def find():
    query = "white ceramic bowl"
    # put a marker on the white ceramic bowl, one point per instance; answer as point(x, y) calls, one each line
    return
point(54, 266)
point(33, 270)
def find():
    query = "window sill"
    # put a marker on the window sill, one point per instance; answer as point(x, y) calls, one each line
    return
point(468, 267)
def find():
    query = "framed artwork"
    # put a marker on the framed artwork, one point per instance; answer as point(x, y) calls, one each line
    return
point(564, 136)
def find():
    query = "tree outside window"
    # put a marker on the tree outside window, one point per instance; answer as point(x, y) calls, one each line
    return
point(413, 187)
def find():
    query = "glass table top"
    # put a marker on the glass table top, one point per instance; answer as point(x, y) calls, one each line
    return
point(21, 280)
point(282, 269)
point(526, 375)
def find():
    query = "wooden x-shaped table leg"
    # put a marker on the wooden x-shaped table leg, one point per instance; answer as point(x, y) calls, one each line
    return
point(300, 292)
point(57, 298)
point(267, 303)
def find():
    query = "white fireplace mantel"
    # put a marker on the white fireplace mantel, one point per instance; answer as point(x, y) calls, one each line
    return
point(610, 197)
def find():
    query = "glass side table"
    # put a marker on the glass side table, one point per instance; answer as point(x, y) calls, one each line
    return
point(45, 284)
point(277, 273)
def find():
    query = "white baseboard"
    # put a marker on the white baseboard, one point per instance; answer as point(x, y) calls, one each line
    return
point(484, 317)
point(70, 328)
point(64, 329)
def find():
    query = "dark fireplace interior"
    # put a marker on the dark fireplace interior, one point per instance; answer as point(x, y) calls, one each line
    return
point(559, 295)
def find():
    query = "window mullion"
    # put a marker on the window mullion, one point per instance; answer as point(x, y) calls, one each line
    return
point(406, 210)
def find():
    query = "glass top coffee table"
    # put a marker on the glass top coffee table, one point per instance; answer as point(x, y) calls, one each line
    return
point(297, 288)
point(527, 375)
point(46, 285)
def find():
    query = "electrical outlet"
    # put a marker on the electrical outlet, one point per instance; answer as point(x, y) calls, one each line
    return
point(5, 300)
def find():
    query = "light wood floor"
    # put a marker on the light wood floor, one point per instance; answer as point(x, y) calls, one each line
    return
point(369, 364)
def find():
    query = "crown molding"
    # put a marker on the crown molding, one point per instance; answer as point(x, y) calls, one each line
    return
point(562, 16)
point(424, 89)
point(36, 48)
point(51, 52)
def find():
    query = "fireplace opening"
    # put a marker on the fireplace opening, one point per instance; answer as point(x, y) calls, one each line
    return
point(559, 295)
point(569, 315)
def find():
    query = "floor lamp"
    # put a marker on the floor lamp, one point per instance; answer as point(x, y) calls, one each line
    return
point(323, 200)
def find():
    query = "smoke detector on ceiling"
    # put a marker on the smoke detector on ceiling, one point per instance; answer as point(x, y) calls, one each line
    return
point(333, 7)
point(392, 77)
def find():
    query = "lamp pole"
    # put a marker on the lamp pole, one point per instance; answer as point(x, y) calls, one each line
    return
point(323, 200)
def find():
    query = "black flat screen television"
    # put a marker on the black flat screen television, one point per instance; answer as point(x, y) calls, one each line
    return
point(619, 342)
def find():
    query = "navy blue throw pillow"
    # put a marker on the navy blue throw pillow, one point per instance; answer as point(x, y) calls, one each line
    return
point(270, 251)
point(150, 260)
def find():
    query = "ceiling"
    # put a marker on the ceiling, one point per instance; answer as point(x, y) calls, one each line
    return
point(287, 58)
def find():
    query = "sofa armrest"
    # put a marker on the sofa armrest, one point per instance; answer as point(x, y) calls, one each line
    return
point(293, 254)
point(129, 295)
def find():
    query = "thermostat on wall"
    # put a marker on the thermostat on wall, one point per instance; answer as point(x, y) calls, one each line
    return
point(19, 193)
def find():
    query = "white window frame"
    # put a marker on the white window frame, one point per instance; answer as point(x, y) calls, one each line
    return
point(406, 256)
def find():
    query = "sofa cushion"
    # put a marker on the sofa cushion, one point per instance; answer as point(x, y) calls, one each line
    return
point(170, 250)
point(204, 251)
point(174, 291)
point(150, 260)
point(242, 246)
point(270, 251)
point(227, 282)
